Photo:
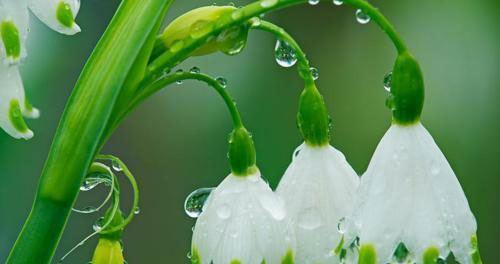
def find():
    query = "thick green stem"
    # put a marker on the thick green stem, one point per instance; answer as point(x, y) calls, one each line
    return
point(81, 127)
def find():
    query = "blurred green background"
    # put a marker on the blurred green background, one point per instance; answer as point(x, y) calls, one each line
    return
point(176, 141)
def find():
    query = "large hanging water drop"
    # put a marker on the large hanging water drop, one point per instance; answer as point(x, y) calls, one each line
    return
point(388, 81)
point(285, 54)
point(362, 17)
point(193, 205)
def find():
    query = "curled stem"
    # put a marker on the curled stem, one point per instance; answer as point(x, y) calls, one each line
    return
point(135, 188)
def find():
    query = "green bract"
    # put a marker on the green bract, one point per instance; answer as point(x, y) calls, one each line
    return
point(313, 119)
point(199, 23)
point(242, 152)
point(407, 91)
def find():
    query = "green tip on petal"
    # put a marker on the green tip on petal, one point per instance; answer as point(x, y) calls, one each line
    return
point(288, 258)
point(11, 39)
point(65, 15)
point(16, 117)
point(339, 247)
point(476, 257)
point(431, 255)
point(367, 254)
point(195, 258)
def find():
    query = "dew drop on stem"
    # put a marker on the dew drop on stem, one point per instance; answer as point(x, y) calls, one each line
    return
point(362, 17)
point(338, 2)
point(193, 205)
point(222, 81)
point(313, 2)
point(195, 70)
point(388, 81)
point(314, 73)
point(285, 55)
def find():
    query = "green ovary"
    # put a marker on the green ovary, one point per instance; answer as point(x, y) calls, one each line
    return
point(11, 39)
point(65, 15)
point(16, 117)
point(367, 254)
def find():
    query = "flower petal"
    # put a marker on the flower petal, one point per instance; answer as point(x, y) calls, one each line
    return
point(13, 104)
point(244, 221)
point(57, 14)
point(410, 195)
point(14, 27)
point(318, 188)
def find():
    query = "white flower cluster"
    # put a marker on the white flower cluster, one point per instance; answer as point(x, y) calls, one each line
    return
point(322, 212)
point(14, 28)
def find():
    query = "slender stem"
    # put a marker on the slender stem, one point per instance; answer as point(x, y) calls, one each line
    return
point(170, 79)
point(303, 63)
point(82, 125)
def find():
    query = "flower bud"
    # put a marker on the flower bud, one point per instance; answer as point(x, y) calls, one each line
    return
point(108, 251)
point(199, 23)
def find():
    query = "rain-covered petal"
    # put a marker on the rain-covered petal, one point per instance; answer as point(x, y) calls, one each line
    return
point(243, 221)
point(14, 27)
point(57, 14)
point(318, 189)
point(13, 104)
point(410, 196)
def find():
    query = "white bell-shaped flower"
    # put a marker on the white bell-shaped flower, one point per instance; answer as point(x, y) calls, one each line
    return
point(410, 196)
point(318, 189)
point(57, 14)
point(243, 222)
point(14, 27)
point(13, 104)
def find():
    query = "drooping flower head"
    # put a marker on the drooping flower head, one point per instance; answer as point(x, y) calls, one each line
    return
point(318, 186)
point(242, 221)
point(410, 205)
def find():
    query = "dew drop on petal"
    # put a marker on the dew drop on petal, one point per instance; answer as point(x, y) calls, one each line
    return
point(388, 81)
point(341, 226)
point(314, 73)
point(222, 81)
point(193, 205)
point(309, 219)
point(338, 2)
point(313, 2)
point(285, 55)
point(362, 17)
point(195, 70)
point(223, 211)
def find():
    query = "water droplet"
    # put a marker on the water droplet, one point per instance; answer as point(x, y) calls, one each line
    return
point(314, 73)
point(268, 3)
point(222, 81)
point(116, 166)
point(388, 81)
point(313, 2)
point(189, 255)
point(362, 17)
point(338, 2)
point(137, 210)
point(309, 219)
point(176, 46)
point(90, 183)
point(195, 70)
point(179, 71)
point(98, 224)
point(193, 205)
point(255, 21)
point(341, 225)
point(237, 14)
point(201, 28)
point(224, 212)
point(285, 54)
